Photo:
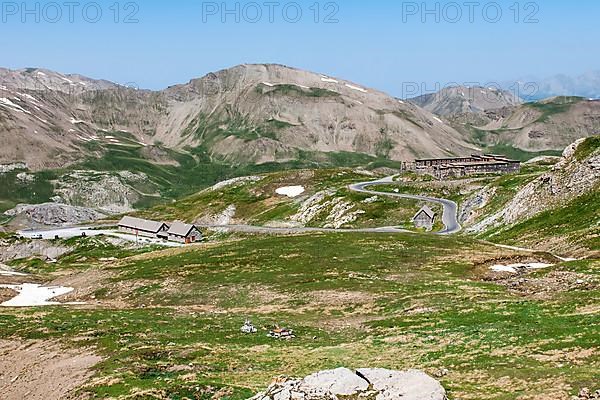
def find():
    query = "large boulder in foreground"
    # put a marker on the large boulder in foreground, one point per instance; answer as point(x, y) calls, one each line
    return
point(367, 384)
point(339, 381)
point(408, 385)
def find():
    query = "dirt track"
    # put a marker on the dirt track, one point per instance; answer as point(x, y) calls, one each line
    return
point(42, 370)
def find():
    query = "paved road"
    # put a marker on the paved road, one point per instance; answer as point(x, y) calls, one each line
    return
point(449, 219)
point(450, 214)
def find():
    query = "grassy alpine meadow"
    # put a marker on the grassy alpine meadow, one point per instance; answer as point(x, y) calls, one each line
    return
point(176, 175)
point(167, 322)
point(573, 221)
point(256, 202)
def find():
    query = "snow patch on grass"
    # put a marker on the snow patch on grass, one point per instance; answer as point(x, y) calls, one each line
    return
point(235, 181)
point(33, 295)
point(291, 191)
point(515, 268)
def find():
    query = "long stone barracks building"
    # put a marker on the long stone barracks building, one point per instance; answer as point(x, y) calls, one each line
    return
point(176, 232)
point(444, 168)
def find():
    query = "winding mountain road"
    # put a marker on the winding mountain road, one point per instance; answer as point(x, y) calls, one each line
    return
point(450, 214)
point(449, 218)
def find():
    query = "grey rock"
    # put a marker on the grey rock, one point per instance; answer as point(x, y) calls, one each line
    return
point(408, 385)
point(567, 180)
point(24, 177)
point(54, 214)
point(111, 193)
point(379, 384)
point(12, 250)
point(341, 381)
point(475, 203)
point(5, 168)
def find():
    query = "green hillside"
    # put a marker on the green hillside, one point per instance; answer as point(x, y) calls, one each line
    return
point(377, 300)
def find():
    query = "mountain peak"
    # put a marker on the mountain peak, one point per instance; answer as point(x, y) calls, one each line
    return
point(41, 79)
point(250, 113)
point(466, 99)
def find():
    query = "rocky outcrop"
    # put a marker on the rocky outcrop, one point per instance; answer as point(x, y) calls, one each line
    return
point(24, 177)
point(367, 384)
point(336, 211)
point(14, 250)
point(220, 219)
point(586, 394)
point(5, 168)
point(408, 385)
point(342, 213)
point(339, 382)
point(54, 214)
point(235, 182)
point(312, 207)
point(570, 178)
point(110, 193)
point(470, 207)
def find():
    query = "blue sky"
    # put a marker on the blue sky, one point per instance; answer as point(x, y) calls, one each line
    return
point(381, 44)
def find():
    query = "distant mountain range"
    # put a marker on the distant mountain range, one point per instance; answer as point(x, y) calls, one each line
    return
point(249, 114)
point(530, 89)
point(266, 113)
point(495, 118)
point(93, 143)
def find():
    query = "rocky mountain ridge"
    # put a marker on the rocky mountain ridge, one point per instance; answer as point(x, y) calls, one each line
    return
point(575, 176)
point(38, 79)
point(492, 117)
point(245, 114)
point(550, 124)
point(466, 99)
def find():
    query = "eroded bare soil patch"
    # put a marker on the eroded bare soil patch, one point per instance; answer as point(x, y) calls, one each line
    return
point(42, 370)
point(7, 294)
